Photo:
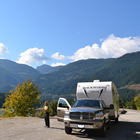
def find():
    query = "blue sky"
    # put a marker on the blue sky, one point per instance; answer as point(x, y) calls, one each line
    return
point(57, 32)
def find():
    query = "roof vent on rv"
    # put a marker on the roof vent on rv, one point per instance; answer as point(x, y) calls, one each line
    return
point(96, 81)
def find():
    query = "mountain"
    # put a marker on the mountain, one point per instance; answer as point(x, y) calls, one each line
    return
point(21, 70)
point(122, 71)
point(12, 73)
point(7, 80)
point(64, 80)
point(44, 69)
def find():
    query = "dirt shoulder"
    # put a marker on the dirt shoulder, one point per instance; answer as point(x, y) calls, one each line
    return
point(31, 128)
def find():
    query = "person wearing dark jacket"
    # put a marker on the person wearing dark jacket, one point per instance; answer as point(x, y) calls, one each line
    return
point(46, 115)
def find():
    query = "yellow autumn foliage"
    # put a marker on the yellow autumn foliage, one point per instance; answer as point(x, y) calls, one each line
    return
point(22, 100)
point(137, 101)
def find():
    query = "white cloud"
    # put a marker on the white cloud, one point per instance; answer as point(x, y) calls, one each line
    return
point(44, 62)
point(3, 49)
point(116, 46)
point(32, 55)
point(87, 52)
point(57, 64)
point(111, 47)
point(57, 56)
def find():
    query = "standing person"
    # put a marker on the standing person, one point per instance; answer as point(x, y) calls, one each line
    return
point(46, 115)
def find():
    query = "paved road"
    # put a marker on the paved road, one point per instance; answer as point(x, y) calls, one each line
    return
point(30, 128)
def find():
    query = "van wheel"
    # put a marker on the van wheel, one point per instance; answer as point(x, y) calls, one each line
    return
point(103, 130)
point(68, 130)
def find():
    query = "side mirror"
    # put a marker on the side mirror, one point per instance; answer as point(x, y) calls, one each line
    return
point(111, 106)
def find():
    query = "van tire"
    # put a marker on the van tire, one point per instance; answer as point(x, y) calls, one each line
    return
point(68, 130)
point(103, 130)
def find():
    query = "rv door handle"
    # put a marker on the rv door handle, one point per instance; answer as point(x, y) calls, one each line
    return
point(59, 110)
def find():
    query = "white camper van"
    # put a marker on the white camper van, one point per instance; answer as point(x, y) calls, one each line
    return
point(97, 103)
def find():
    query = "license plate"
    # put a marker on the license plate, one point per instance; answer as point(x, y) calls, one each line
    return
point(80, 126)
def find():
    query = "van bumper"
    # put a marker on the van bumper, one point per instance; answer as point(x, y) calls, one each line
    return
point(82, 124)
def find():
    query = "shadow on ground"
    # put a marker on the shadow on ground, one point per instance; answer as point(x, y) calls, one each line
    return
point(120, 131)
point(56, 128)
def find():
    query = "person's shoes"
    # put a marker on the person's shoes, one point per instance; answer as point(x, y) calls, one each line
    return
point(47, 126)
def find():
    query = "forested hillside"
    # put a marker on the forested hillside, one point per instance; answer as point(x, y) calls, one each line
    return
point(44, 69)
point(12, 73)
point(65, 80)
point(122, 71)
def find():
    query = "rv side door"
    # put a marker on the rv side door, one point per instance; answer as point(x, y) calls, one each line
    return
point(62, 107)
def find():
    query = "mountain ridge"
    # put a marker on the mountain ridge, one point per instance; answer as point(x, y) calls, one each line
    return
point(44, 69)
point(123, 71)
point(12, 73)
